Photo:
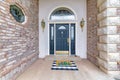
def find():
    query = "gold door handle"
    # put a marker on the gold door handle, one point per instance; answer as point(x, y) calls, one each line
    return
point(68, 40)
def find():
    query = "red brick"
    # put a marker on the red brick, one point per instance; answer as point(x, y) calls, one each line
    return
point(92, 38)
point(15, 37)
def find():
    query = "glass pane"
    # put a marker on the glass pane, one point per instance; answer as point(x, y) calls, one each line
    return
point(72, 33)
point(62, 14)
point(62, 27)
point(17, 13)
point(52, 33)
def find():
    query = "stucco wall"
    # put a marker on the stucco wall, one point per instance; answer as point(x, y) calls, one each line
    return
point(45, 9)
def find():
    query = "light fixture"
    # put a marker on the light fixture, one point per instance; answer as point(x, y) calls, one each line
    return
point(82, 23)
point(43, 24)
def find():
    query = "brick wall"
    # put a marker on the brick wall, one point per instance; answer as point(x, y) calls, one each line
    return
point(18, 41)
point(118, 45)
point(92, 25)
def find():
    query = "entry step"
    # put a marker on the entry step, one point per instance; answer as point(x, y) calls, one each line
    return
point(62, 57)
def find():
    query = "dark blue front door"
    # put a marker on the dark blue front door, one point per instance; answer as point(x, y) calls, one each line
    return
point(62, 37)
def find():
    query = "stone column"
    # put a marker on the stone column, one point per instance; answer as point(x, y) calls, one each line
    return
point(109, 38)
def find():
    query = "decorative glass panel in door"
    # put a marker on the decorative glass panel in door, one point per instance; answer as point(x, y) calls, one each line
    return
point(72, 35)
point(51, 39)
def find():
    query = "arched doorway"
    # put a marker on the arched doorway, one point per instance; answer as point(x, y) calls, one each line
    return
point(62, 32)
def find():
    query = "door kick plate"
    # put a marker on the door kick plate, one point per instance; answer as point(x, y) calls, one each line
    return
point(62, 52)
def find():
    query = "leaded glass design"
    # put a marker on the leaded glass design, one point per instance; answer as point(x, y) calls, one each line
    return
point(62, 14)
point(62, 27)
point(17, 13)
point(72, 33)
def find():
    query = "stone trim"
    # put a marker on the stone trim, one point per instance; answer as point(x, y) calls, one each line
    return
point(112, 30)
point(109, 39)
point(100, 2)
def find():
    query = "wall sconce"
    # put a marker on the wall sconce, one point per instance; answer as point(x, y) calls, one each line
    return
point(43, 24)
point(82, 23)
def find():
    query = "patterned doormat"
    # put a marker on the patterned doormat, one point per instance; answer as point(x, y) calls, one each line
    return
point(64, 65)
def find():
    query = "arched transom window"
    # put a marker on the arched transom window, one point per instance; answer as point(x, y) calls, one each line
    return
point(62, 14)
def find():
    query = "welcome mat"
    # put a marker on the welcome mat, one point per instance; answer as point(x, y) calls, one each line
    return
point(64, 65)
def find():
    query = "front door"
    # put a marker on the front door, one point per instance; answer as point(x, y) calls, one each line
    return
point(62, 39)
